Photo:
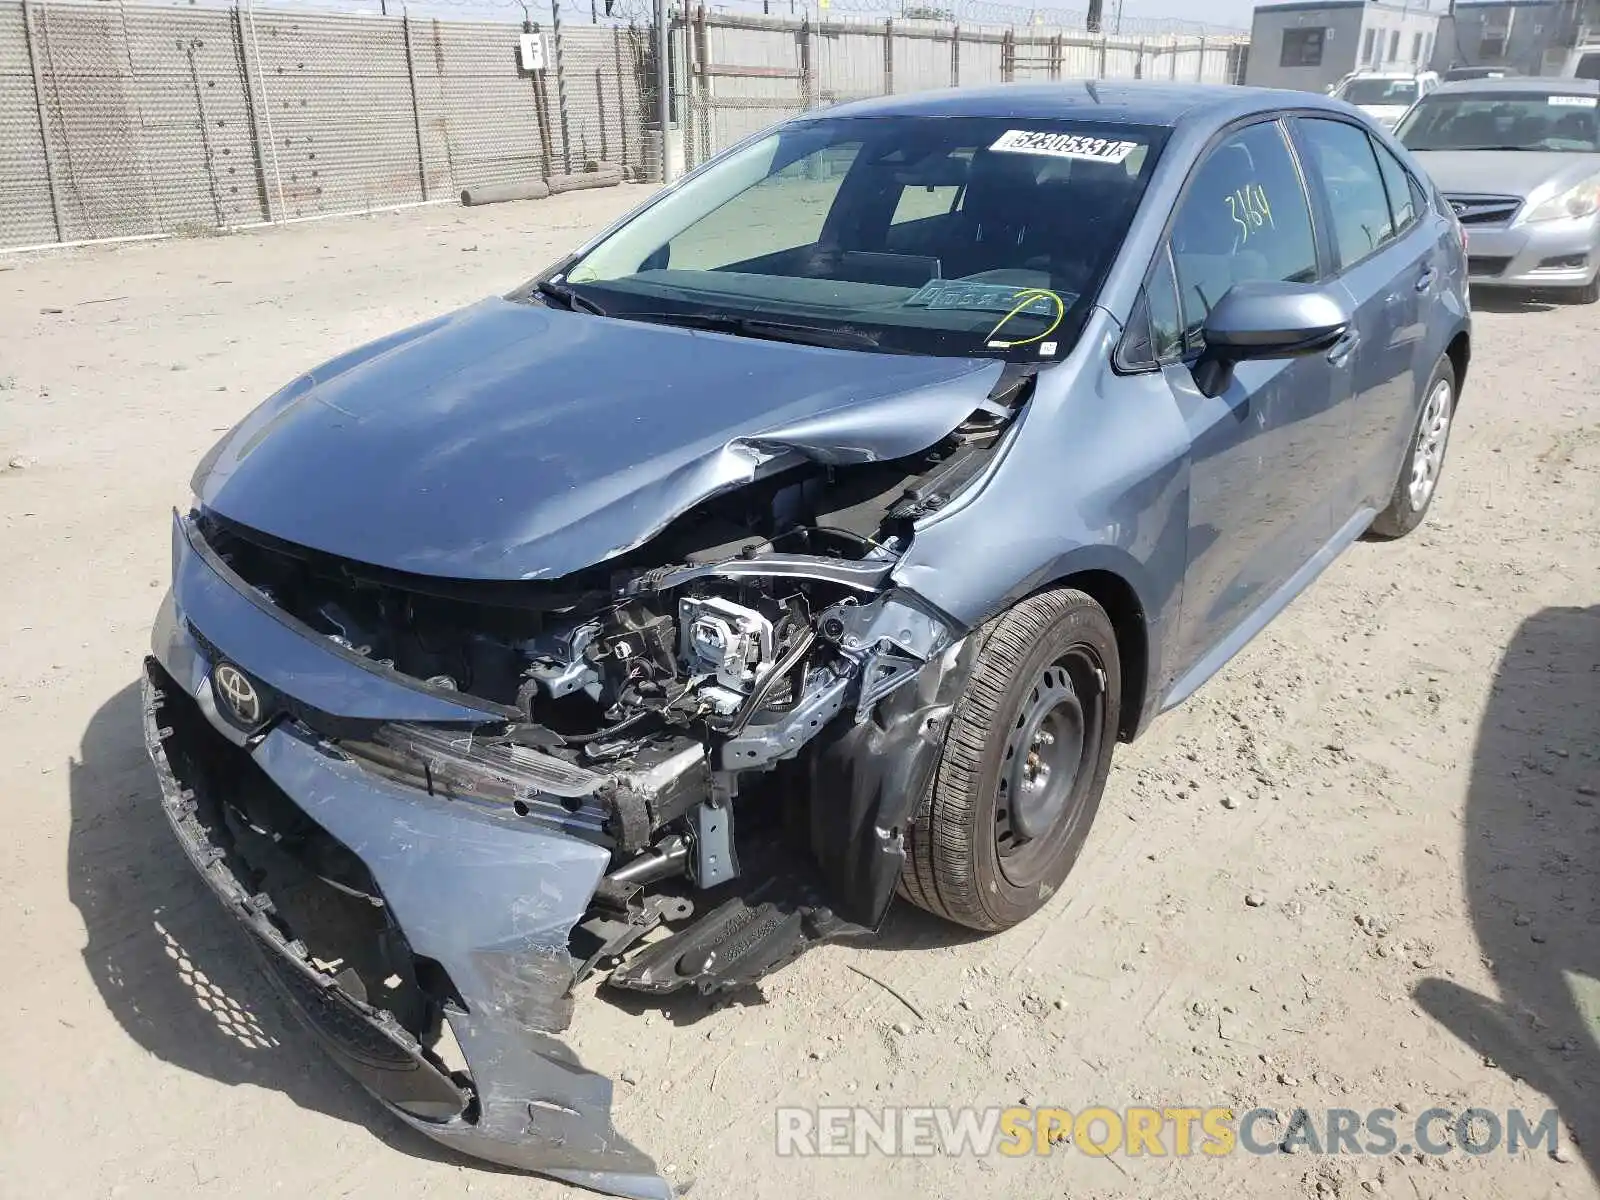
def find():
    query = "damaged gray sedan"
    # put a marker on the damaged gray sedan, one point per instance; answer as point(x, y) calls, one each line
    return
point(810, 536)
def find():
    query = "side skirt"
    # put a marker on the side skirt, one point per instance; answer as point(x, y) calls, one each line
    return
point(1223, 652)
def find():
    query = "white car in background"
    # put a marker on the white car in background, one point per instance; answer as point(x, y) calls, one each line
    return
point(1583, 62)
point(1385, 96)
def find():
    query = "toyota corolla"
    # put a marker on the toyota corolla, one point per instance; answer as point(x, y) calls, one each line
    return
point(811, 535)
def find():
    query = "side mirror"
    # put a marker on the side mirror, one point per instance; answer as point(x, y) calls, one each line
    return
point(1262, 320)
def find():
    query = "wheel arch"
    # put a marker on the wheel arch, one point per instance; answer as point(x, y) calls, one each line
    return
point(1120, 599)
point(1127, 591)
point(1459, 352)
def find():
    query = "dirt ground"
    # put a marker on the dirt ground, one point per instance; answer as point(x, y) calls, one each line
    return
point(1402, 772)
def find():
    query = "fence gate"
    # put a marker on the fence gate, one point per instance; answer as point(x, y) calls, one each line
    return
point(742, 75)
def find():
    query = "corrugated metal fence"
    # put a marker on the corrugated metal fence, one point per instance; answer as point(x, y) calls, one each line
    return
point(136, 120)
point(742, 73)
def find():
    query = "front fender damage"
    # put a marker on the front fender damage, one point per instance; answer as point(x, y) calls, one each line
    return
point(498, 789)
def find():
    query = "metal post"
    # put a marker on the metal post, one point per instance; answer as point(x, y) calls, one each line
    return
point(416, 108)
point(266, 109)
point(205, 131)
point(955, 56)
point(888, 57)
point(622, 123)
point(663, 83)
point(561, 85)
point(540, 106)
point(44, 127)
point(263, 194)
point(1200, 71)
point(808, 96)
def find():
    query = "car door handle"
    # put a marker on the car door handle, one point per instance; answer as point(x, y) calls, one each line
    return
point(1425, 280)
point(1344, 348)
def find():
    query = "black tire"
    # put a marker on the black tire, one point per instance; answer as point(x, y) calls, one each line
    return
point(966, 859)
point(1590, 293)
point(1405, 513)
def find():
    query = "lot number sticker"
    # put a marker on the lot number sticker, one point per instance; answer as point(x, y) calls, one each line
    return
point(1064, 145)
point(1575, 101)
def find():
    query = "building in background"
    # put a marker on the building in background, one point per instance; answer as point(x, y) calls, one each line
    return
point(1313, 45)
point(1531, 37)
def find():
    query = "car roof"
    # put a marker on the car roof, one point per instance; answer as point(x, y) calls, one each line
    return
point(1544, 85)
point(1123, 102)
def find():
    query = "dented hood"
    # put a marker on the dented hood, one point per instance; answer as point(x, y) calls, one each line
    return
point(510, 441)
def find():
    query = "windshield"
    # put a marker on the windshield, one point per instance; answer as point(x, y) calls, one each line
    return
point(1502, 121)
point(956, 236)
point(1380, 93)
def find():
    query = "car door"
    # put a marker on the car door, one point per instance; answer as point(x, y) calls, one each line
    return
point(1266, 454)
point(1388, 265)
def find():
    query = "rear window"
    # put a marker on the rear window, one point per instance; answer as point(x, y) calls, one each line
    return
point(1588, 67)
point(1380, 93)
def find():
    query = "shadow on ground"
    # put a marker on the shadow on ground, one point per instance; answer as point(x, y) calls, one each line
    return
point(174, 969)
point(1532, 867)
point(1502, 300)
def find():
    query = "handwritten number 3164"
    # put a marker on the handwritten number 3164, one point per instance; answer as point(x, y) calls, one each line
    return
point(1250, 210)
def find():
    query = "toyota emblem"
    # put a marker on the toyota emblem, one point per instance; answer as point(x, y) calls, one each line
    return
point(238, 693)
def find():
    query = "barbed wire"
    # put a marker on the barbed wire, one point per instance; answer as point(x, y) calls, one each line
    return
point(642, 12)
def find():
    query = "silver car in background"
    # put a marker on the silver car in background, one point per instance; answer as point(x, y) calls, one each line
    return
point(1519, 161)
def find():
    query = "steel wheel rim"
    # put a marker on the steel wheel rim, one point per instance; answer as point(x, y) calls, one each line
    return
point(1047, 764)
point(1427, 457)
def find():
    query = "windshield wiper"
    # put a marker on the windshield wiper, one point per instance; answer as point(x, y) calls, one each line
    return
point(760, 327)
point(567, 298)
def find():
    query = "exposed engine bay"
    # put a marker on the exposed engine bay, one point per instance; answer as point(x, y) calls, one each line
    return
point(649, 701)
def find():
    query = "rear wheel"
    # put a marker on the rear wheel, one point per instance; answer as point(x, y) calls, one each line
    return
point(1419, 473)
point(1023, 766)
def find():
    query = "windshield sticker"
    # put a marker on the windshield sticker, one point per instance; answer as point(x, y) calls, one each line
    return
point(1575, 101)
point(1250, 210)
point(978, 297)
point(1025, 302)
point(1064, 145)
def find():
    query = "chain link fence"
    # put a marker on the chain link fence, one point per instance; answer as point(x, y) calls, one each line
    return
point(121, 121)
point(138, 120)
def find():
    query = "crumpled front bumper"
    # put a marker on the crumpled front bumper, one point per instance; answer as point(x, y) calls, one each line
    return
point(491, 899)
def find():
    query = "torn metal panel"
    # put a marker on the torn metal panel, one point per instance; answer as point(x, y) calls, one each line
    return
point(875, 773)
point(492, 903)
point(494, 445)
point(282, 653)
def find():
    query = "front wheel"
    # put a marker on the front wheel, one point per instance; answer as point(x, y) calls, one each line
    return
point(1419, 473)
point(1023, 765)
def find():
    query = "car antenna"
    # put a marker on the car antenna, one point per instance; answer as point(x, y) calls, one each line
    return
point(1094, 92)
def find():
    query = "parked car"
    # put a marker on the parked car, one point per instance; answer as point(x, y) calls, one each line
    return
point(1458, 73)
point(1583, 62)
point(817, 530)
point(1519, 161)
point(1385, 96)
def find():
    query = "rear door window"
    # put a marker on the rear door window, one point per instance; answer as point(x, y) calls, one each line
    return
point(1347, 166)
point(1245, 218)
point(1402, 190)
